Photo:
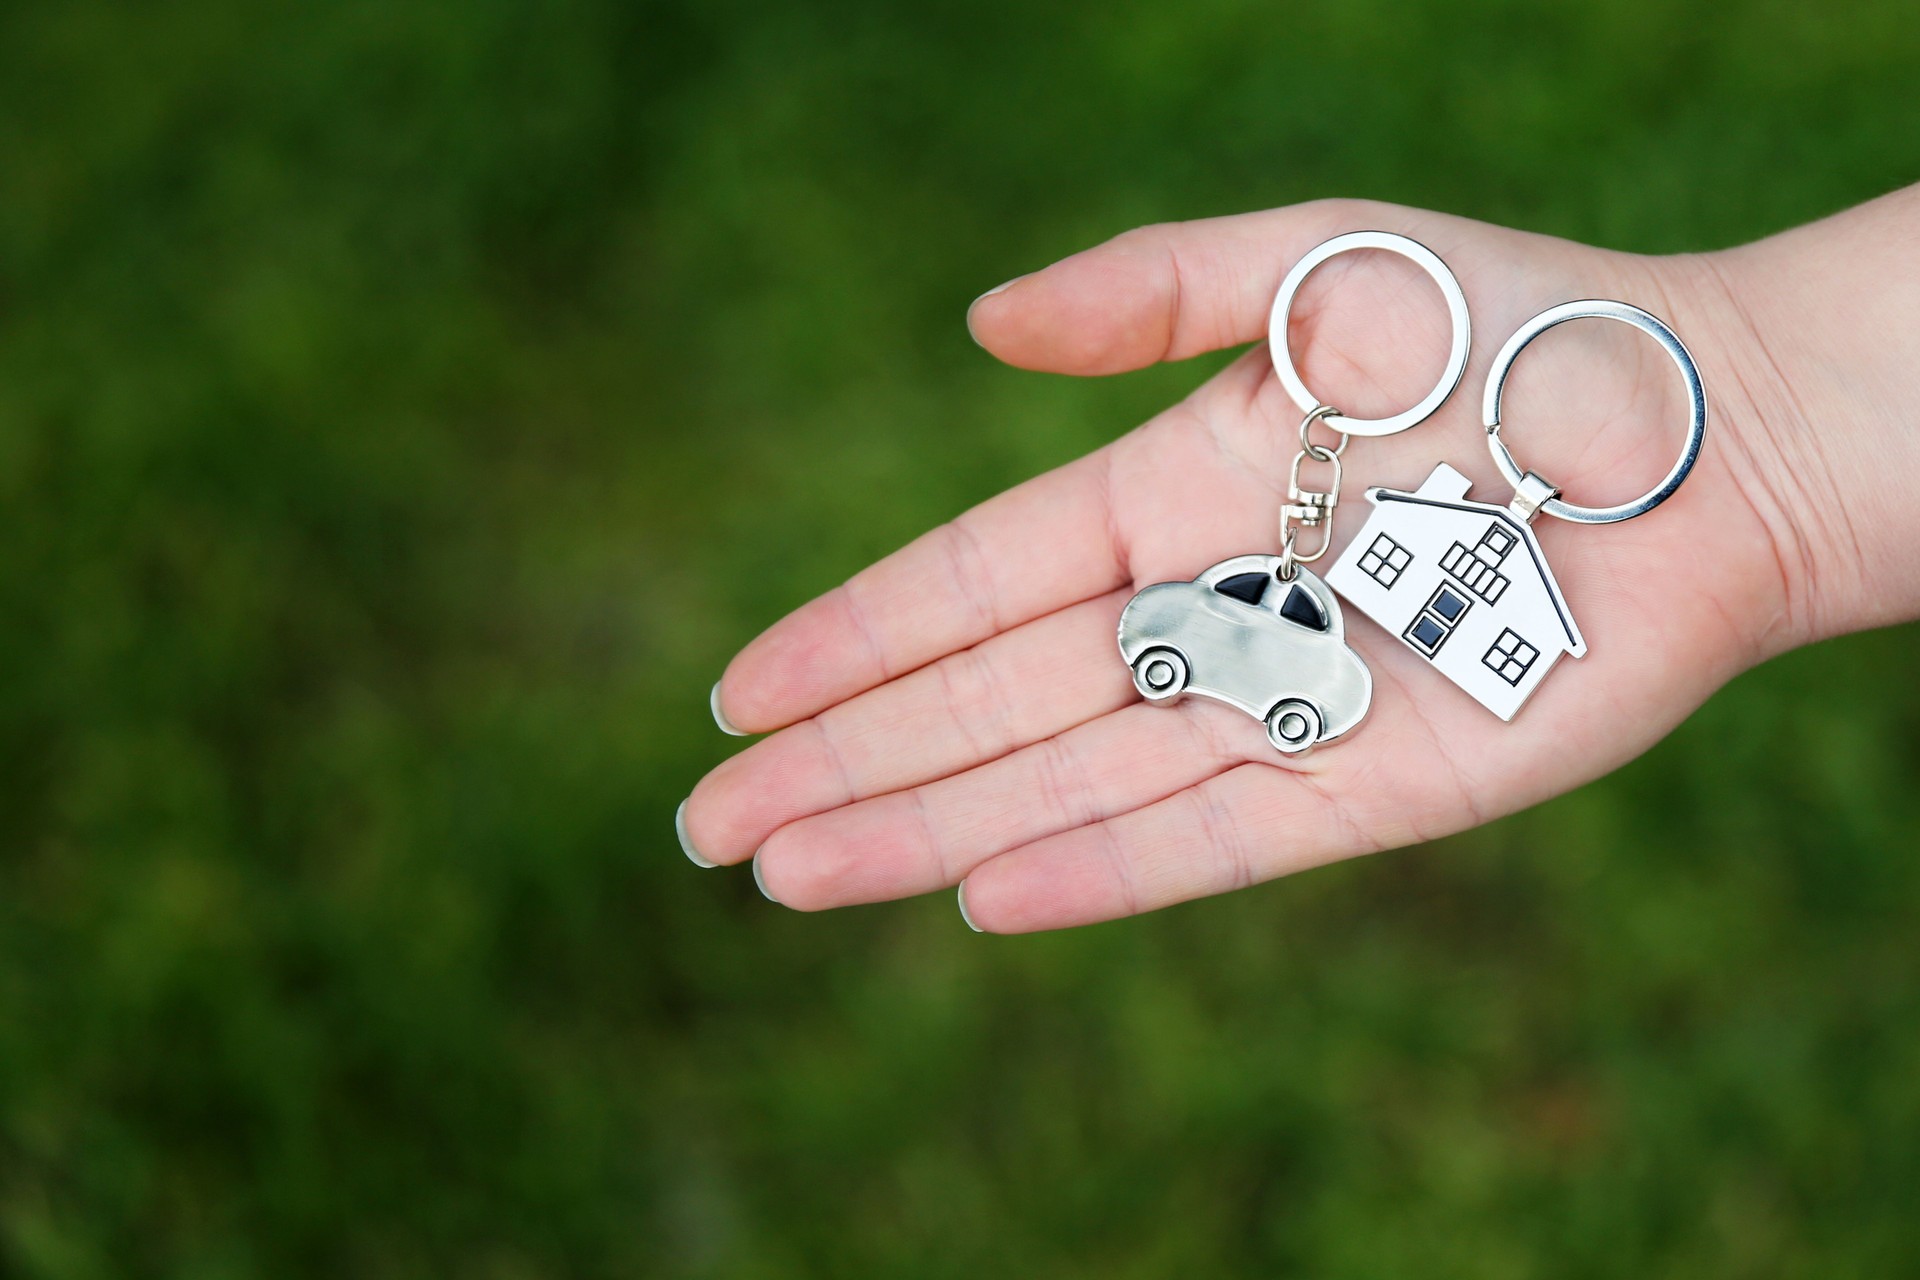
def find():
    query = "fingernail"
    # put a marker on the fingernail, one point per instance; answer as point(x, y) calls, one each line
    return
point(719, 716)
point(963, 909)
point(686, 841)
point(761, 881)
point(997, 289)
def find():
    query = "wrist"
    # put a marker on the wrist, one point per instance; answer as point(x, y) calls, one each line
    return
point(1836, 307)
point(1807, 349)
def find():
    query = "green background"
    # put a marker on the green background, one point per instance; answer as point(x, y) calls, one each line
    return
point(406, 409)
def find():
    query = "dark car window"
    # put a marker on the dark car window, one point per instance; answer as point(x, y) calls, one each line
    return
point(1301, 607)
point(1243, 586)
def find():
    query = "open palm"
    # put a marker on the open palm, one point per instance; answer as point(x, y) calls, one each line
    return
point(998, 741)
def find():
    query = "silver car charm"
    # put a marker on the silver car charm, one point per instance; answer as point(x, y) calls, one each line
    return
point(1240, 633)
point(1261, 632)
point(1464, 584)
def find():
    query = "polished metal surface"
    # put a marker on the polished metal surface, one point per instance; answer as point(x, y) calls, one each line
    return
point(1421, 256)
point(1464, 585)
point(1300, 680)
point(1598, 309)
point(1310, 508)
point(1532, 493)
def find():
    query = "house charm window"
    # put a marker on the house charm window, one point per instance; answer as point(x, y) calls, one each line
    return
point(1385, 561)
point(1477, 568)
point(1510, 657)
point(1436, 620)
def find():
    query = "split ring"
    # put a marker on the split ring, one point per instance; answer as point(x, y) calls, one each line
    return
point(1421, 256)
point(1651, 325)
point(1322, 413)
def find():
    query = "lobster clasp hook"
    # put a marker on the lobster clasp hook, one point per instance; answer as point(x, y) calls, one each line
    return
point(1310, 508)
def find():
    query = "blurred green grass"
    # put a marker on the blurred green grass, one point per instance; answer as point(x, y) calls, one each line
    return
point(405, 409)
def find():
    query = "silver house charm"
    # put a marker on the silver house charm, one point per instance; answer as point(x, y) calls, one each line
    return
point(1241, 634)
point(1261, 633)
point(1464, 584)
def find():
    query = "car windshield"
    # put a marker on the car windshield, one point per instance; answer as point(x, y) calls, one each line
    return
point(1300, 606)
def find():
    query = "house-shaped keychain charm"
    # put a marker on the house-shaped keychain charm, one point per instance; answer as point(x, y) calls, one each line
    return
point(1464, 585)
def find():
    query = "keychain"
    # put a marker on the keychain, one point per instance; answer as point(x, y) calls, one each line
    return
point(1262, 633)
point(1464, 583)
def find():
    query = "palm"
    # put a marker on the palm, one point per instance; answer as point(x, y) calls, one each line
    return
point(1000, 742)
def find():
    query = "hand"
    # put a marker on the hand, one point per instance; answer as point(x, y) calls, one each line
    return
point(996, 742)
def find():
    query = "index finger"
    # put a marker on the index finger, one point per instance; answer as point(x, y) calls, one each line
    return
point(1045, 544)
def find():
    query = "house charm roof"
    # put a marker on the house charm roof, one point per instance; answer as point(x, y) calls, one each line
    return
point(1463, 584)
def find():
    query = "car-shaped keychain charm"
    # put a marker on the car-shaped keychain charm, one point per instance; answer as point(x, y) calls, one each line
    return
point(1240, 634)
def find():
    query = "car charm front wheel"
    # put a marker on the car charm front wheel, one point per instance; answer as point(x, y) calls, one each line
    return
point(1160, 674)
point(1293, 726)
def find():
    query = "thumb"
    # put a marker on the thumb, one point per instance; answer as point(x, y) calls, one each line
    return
point(1163, 292)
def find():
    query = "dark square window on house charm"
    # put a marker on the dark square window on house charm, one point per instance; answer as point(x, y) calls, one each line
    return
point(1437, 619)
point(1385, 561)
point(1510, 657)
point(1426, 634)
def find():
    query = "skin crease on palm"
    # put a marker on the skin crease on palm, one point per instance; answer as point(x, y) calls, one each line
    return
point(997, 743)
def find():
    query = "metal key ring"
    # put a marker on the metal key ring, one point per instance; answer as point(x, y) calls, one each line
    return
point(1421, 256)
point(1654, 327)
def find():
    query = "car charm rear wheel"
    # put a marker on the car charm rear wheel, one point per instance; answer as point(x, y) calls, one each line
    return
point(1293, 726)
point(1160, 674)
